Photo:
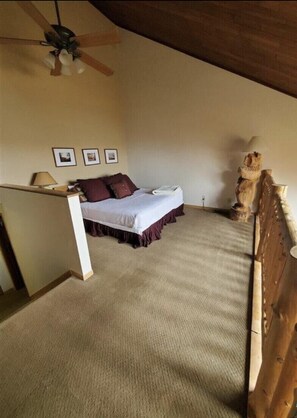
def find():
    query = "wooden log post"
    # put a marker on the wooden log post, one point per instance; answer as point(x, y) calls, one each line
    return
point(277, 189)
point(293, 412)
point(277, 342)
point(265, 179)
point(256, 325)
point(283, 398)
point(274, 293)
point(282, 325)
point(266, 182)
point(270, 251)
point(275, 261)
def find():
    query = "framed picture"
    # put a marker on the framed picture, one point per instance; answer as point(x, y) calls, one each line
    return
point(64, 157)
point(111, 156)
point(91, 156)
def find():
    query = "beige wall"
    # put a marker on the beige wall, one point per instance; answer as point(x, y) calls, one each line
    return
point(186, 122)
point(39, 112)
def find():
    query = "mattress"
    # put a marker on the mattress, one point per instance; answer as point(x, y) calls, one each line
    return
point(134, 213)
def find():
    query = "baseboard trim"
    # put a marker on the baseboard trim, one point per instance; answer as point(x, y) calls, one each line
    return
point(60, 280)
point(11, 290)
point(82, 276)
point(207, 208)
point(51, 285)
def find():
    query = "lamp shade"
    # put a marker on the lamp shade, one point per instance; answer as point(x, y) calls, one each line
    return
point(65, 57)
point(79, 65)
point(49, 61)
point(66, 70)
point(256, 144)
point(43, 178)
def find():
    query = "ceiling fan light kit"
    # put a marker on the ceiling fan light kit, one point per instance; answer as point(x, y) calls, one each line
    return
point(79, 66)
point(65, 70)
point(50, 61)
point(66, 58)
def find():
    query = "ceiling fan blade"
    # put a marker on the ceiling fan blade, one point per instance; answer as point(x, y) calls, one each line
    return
point(18, 41)
point(35, 14)
point(98, 39)
point(87, 59)
point(57, 70)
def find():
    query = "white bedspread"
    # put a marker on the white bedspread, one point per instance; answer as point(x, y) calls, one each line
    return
point(133, 213)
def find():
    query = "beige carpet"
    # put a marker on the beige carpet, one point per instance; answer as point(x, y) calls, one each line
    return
point(157, 332)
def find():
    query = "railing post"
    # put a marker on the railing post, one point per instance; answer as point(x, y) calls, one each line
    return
point(283, 398)
point(265, 205)
point(277, 342)
point(283, 320)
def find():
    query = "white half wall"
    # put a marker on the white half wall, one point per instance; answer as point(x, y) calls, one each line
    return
point(186, 122)
point(47, 235)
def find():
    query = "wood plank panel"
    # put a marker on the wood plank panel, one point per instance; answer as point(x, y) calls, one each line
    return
point(255, 39)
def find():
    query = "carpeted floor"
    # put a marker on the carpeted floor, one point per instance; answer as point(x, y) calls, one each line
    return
point(157, 332)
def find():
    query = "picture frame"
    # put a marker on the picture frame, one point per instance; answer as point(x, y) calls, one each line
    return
point(91, 156)
point(64, 157)
point(111, 156)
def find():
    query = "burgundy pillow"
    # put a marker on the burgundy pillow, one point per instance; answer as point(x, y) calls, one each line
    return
point(94, 189)
point(120, 189)
point(130, 183)
point(115, 178)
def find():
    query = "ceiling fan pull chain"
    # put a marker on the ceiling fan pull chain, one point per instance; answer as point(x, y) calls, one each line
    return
point(57, 12)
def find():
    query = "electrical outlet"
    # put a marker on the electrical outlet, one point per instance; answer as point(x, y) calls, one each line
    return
point(203, 200)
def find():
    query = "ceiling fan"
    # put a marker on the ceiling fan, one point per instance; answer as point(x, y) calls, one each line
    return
point(66, 44)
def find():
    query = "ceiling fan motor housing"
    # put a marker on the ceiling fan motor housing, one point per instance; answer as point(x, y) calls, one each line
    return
point(65, 40)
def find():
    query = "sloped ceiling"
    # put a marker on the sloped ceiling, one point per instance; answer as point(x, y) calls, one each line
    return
point(255, 39)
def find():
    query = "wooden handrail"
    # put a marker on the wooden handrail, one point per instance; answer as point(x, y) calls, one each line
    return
point(39, 190)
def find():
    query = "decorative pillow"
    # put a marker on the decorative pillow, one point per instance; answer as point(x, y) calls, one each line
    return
point(94, 189)
point(115, 178)
point(130, 183)
point(120, 189)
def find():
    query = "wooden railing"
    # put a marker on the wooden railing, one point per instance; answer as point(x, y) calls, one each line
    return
point(274, 394)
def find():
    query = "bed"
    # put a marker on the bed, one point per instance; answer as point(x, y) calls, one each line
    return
point(137, 219)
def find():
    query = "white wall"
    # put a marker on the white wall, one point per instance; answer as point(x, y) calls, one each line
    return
point(186, 122)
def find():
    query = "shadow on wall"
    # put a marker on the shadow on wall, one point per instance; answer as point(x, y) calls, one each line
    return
point(234, 155)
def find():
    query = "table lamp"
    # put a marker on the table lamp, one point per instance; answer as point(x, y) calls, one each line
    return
point(43, 179)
